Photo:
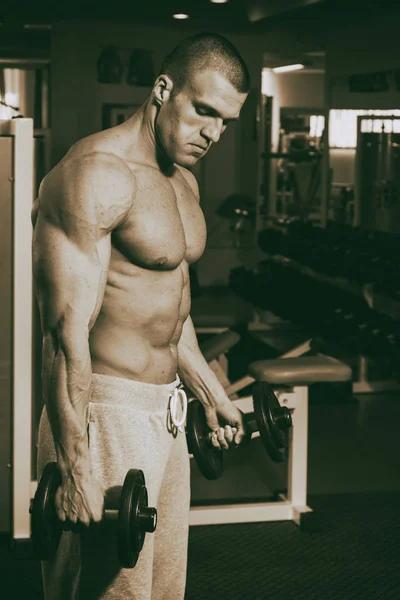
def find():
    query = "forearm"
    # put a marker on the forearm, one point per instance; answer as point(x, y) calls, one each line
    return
point(194, 370)
point(66, 388)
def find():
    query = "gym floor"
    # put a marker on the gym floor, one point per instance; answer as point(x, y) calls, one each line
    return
point(354, 489)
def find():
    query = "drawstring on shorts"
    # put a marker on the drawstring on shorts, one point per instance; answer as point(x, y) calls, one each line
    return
point(178, 397)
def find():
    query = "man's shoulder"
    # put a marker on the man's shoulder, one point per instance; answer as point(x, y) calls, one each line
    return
point(83, 182)
point(89, 162)
point(80, 169)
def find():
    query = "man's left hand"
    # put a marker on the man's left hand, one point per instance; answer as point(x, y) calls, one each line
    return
point(233, 431)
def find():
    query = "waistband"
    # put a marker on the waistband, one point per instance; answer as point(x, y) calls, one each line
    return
point(106, 389)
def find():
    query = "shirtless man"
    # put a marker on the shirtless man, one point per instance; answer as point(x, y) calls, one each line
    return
point(116, 225)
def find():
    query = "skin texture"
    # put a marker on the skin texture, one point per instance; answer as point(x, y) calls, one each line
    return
point(116, 224)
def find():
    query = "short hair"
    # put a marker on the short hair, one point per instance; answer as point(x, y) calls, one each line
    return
point(206, 51)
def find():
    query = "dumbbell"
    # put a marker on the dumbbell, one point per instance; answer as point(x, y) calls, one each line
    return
point(127, 504)
point(272, 421)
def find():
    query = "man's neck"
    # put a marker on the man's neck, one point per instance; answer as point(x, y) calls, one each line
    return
point(144, 145)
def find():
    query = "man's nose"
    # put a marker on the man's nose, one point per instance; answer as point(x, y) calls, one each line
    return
point(213, 131)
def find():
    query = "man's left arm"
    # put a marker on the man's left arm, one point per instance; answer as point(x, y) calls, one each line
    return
point(200, 379)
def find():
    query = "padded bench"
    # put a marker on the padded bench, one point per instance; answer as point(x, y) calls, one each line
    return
point(300, 371)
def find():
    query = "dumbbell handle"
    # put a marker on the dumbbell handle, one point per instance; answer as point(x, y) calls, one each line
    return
point(112, 499)
point(147, 514)
point(283, 420)
point(252, 429)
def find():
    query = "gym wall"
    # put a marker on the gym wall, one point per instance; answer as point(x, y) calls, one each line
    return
point(364, 48)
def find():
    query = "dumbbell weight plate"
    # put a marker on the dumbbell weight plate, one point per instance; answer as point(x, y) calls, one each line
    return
point(273, 421)
point(208, 458)
point(45, 525)
point(134, 519)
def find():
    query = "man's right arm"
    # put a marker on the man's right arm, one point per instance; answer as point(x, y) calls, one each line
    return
point(79, 205)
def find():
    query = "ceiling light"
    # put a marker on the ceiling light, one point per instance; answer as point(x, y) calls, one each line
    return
point(287, 68)
point(38, 26)
point(180, 16)
point(219, 1)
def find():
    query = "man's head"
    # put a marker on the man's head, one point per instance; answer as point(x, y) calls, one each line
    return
point(202, 86)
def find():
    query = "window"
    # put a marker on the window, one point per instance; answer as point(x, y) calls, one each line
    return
point(343, 125)
point(24, 91)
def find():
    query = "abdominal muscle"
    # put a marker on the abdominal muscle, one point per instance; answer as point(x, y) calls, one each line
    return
point(139, 325)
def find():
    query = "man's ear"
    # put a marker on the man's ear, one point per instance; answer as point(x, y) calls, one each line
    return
point(162, 89)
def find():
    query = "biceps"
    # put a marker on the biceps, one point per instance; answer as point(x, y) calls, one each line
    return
point(69, 282)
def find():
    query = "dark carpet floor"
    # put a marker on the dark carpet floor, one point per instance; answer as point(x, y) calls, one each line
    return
point(355, 555)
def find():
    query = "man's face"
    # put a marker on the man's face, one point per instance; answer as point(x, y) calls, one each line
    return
point(189, 122)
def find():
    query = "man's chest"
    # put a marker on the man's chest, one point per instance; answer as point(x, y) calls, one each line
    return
point(166, 224)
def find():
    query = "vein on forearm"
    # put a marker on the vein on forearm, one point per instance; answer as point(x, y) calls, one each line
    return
point(66, 386)
point(194, 370)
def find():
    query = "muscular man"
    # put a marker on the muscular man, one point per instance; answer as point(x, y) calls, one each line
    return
point(116, 224)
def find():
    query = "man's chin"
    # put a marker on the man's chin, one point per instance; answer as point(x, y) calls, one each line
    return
point(187, 161)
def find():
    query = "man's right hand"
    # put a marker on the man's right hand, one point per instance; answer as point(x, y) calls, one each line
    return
point(79, 499)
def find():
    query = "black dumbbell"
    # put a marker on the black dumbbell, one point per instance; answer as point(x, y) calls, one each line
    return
point(272, 421)
point(127, 504)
